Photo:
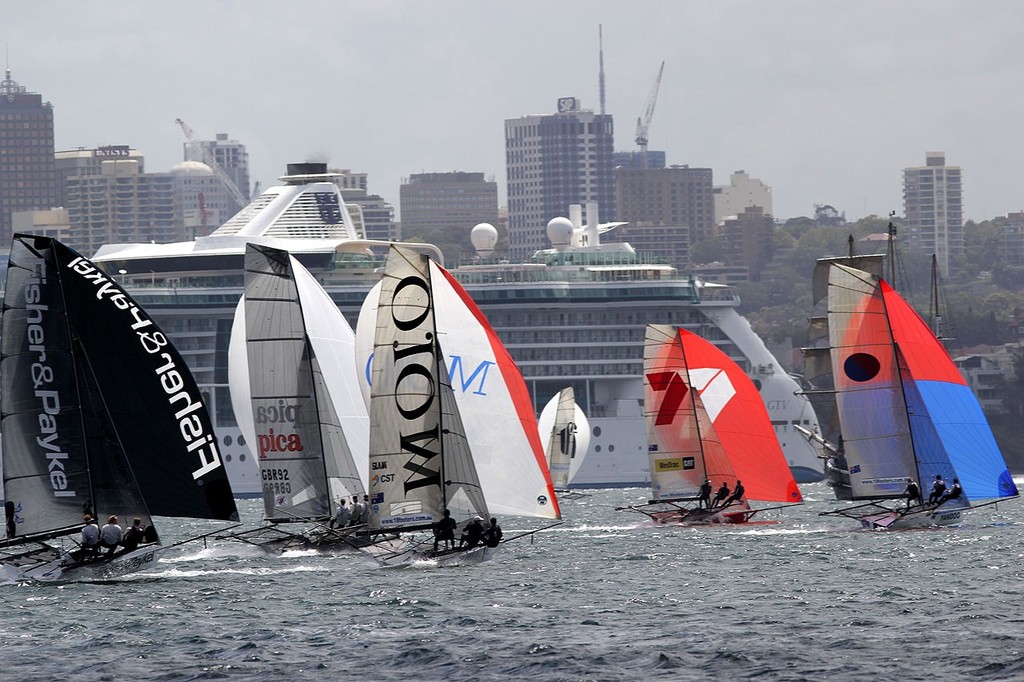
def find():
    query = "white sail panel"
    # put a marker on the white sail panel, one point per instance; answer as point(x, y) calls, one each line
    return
point(561, 448)
point(343, 418)
point(495, 406)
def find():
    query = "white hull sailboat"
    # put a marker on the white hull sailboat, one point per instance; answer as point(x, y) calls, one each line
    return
point(100, 417)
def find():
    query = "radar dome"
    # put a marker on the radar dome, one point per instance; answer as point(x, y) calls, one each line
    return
point(484, 236)
point(560, 232)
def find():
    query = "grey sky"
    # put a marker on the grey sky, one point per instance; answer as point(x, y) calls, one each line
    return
point(826, 101)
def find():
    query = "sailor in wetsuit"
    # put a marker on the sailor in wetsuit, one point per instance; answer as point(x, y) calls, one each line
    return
point(954, 492)
point(444, 531)
point(704, 500)
point(938, 487)
point(737, 494)
point(720, 496)
point(912, 492)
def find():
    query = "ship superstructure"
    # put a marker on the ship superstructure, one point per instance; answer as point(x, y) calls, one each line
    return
point(572, 315)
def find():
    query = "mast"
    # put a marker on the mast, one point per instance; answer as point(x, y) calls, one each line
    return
point(600, 77)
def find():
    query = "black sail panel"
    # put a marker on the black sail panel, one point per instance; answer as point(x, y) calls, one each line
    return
point(150, 395)
point(46, 475)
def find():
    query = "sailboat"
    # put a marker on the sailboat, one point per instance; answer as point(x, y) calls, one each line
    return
point(100, 416)
point(707, 427)
point(430, 450)
point(292, 368)
point(568, 437)
point(905, 410)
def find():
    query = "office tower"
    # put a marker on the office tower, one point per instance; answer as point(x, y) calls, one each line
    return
point(933, 206)
point(121, 204)
point(231, 158)
point(82, 161)
point(748, 240)
point(374, 217)
point(433, 201)
point(666, 209)
point(638, 159)
point(201, 201)
point(553, 161)
point(741, 193)
point(27, 178)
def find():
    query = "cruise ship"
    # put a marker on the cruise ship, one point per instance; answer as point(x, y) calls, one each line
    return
point(573, 315)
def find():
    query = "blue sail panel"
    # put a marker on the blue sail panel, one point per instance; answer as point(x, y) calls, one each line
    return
point(929, 448)
point(965, 435)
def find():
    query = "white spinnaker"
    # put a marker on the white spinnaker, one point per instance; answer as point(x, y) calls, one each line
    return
point(546, 424)
point(333, 343)
point(512, 467)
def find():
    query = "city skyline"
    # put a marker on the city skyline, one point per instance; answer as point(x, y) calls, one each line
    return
point(826, 103)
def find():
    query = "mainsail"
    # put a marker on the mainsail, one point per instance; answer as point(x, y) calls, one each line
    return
point(309, 423)
point(706, 419)
point(420, 460)
point(100, 412)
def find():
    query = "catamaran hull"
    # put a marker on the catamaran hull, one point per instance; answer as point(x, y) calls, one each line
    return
point(64, 568)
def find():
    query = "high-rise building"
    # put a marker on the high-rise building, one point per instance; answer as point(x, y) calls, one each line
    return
point(375, 218)
point(82, 161)
point(553, 161)
point(232, 158)
point(748, 240)
point(741, 193)
point(122, 204)
point(27, 178)
point(638, 159)
point(666, 209)
point(432, 201)
point(933, 209)
point(201, 201)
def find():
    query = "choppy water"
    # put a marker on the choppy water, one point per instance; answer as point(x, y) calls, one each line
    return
point(599, 598)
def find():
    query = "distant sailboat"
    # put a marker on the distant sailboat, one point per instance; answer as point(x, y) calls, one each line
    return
point(905, 410)
point(707, 427)
point(568, 438)
point(292, 369)
point(428, 452)
point(100, 416)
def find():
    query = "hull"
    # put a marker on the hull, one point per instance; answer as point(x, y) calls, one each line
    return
point(63, 568)
point(401, 551)
point(896, 520)
point(702, 517)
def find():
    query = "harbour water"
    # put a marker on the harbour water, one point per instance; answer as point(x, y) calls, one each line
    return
point(601, 597)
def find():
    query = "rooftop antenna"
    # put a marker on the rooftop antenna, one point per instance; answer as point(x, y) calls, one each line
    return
point(600, 77)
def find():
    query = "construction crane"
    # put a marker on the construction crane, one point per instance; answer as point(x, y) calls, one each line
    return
point(644, 122)
point(207, 156)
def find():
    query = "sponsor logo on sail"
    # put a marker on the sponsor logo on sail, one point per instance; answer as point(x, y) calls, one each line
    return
point(193, 423)
point(42, 375)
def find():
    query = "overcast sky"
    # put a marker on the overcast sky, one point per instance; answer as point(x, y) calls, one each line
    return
point(825, 101)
